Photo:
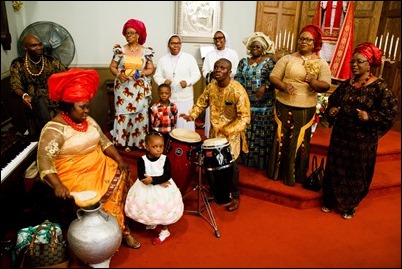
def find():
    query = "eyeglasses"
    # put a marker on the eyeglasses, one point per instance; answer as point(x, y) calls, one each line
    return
point(358, 61)
point(218, 38)
point(255, 47)
point(305, 39)
point(175, 43)
point(130, 33)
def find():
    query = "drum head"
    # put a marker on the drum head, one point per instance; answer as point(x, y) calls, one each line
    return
point(185, 135)
point(218, 141)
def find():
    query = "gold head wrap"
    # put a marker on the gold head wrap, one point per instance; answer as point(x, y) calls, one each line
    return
point(265, 41)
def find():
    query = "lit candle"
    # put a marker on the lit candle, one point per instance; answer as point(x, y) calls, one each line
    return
point(396, 47)
point(386, 42)
point(276, 41)
point(390, 47)
point(279, 41)
point(379, 46)
point(284, 40)
point(375, 42)
point(291, 46)
point(288, 41)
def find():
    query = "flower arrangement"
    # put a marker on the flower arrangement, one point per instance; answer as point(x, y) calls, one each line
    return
point(322, 104)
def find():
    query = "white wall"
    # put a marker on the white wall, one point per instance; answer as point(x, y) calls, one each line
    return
point(96, 26)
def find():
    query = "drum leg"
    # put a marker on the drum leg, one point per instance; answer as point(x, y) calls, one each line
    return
point(202, 197)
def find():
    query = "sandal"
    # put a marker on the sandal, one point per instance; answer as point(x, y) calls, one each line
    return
point(131, 242)
point(348, 214)
point(325, 209)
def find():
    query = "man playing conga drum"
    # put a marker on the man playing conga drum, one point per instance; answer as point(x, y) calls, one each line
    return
point(229, 114)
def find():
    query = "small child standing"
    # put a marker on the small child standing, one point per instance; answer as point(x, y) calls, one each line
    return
point(163, 113)
point(154, 199)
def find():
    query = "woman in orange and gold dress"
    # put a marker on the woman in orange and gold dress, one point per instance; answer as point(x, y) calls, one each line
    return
point(132, 65)
point(74, 155)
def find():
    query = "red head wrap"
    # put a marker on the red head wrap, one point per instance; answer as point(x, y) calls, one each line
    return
point(139, 26)
point(317, 35)
point(74, 85)
point(370, 52)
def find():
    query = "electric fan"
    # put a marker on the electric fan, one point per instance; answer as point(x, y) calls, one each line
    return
point(56, 40)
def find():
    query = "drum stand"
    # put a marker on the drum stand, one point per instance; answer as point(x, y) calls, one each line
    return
point(202, 194)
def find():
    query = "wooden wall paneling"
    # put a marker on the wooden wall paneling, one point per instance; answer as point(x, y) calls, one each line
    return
point(366, 21)
point(390, 22)
point(267, 17)
point(275, 17)
point(308, 10)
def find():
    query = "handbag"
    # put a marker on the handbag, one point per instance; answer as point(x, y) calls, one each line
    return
point(47, 248)
point(313, 181)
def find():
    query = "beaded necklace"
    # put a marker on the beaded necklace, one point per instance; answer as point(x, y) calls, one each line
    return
point(27, 66)
point(361, 84)
point(80, 127)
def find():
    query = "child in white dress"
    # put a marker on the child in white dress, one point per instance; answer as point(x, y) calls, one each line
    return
point(154, 199)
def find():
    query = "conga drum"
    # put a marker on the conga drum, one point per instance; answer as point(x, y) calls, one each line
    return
point(217, 160)
point(182, 149)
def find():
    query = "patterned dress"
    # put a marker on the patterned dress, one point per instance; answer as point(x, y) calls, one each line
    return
point(131, 100)
point(260, 132)
point(353, 146)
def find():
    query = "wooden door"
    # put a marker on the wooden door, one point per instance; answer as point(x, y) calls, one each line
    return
point(390, 22)
point(274, 17)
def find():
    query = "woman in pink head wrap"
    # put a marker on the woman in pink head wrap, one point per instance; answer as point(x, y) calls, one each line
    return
point(72, 142)
point(133, 66)
point(362, 109)
point(297, 78)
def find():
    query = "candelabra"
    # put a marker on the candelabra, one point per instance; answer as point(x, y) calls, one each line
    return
point(383, 60)
point(387, 51)
point(284, 46)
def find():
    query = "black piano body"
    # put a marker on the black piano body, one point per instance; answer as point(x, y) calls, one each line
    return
point(17, 154)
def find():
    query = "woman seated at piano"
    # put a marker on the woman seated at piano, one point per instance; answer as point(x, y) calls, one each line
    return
point(75, 157)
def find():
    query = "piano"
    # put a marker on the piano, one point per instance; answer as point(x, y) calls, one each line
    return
point(15, 151)
point(17, 154)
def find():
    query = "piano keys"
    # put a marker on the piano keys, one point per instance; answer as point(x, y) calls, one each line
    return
point(26, 153)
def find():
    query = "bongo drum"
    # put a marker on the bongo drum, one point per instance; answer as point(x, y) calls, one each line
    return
point(217, 160)
point(182, 148)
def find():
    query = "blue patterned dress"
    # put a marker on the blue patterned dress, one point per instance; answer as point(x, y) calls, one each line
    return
point(260, 131)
